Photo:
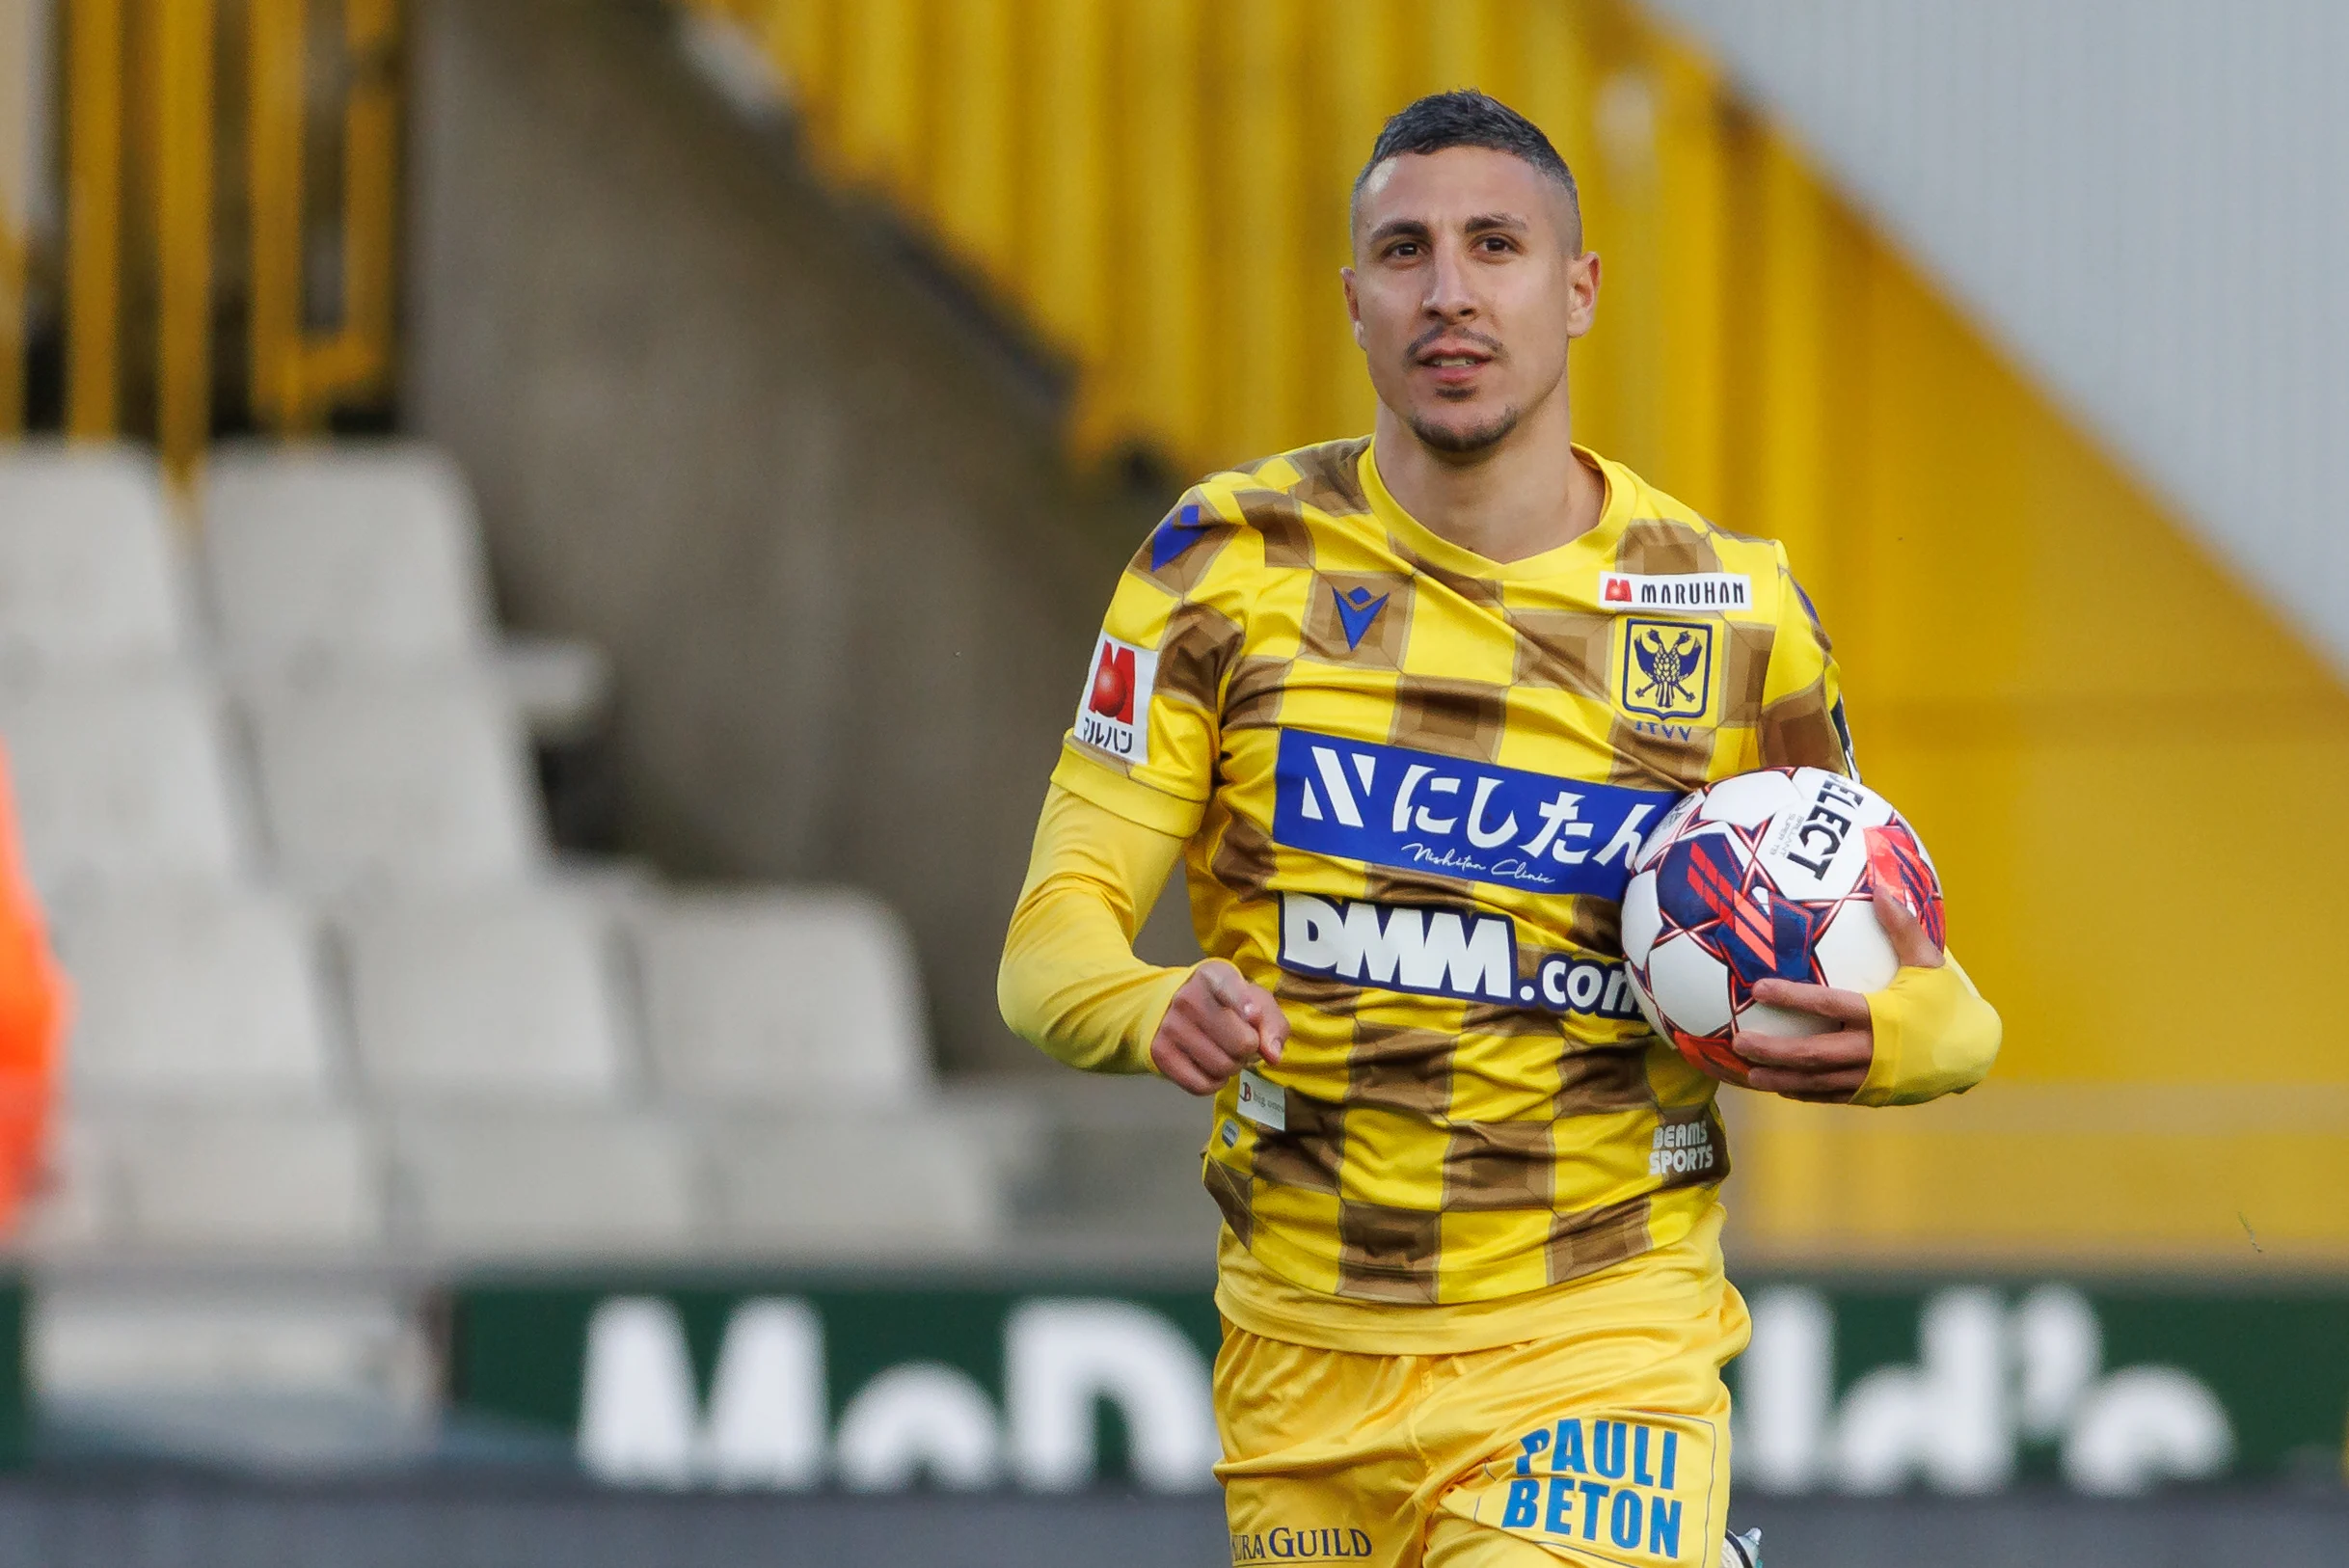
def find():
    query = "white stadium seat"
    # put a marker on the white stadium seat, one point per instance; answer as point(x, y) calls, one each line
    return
point(504, 997)
point(190, 994)
point(559, 688)
point(847, 1182)
point(538, 1183)
point(121, 779)
point(363, 561)
point(77, 1209)
point(241, 1180)
point(419, 782)
point(783, 996)
point(88, 573)
point(334, 999)
point(335, 554)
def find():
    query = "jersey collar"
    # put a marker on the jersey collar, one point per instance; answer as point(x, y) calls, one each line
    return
point(1596, 544)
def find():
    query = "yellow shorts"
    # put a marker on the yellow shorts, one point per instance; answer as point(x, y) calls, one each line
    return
point(1605, 1442)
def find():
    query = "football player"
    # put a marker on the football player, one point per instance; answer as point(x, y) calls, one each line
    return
point(1405, 706)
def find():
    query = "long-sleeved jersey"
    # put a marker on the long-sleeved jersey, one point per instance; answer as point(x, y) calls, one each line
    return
point(1408, 783)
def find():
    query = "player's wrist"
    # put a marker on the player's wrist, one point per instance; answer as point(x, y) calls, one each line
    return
point(1934, 1034)
point(1150, 1035)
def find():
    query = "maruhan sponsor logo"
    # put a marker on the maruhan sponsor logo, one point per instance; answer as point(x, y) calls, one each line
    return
point(765, 1425)
point(1676, 590)
point(1989, 1378)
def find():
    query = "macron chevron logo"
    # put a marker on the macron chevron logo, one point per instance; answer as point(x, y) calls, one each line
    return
point(1356, 611)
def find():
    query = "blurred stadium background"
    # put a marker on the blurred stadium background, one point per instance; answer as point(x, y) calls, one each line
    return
point(545, 544)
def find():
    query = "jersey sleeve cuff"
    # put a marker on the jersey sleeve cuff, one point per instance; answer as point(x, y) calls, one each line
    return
point(1113, 791)
point(1936, 1034)
point(1154, 1014)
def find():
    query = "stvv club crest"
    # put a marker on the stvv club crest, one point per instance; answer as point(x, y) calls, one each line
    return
point(1667, 668)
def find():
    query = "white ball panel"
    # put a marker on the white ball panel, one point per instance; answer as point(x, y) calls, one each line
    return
point(1800, 875)
point(1748, 800)
point(1660, 838)
point(1640, 917)
point(1818, 849)
point(1853, 952)
point(1647, 1003)
point(1690, 985)
point(1869, 811)
point(1761, 1018)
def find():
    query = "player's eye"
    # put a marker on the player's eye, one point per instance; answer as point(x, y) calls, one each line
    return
point(1404, 249)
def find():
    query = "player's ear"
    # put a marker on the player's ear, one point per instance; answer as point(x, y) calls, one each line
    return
point(1582, 283)
point(1354, 305)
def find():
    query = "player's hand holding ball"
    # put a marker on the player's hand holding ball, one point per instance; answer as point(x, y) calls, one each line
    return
point(1830, 1067)
point(1763, 913)
point(1216, 1024)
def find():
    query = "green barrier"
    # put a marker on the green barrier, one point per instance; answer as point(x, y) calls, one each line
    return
point(1854, 1385)
point(2107, 1387)
point(1048, 1387)
point(15, 1385)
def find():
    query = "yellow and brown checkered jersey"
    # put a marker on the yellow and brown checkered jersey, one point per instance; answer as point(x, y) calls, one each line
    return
point(1410, 782)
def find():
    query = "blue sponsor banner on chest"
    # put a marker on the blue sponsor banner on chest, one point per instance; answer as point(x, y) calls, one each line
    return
point(1389, 806)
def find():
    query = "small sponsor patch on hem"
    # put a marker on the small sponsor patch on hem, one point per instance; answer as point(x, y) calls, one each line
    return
point(1266, 1104)
point(1676, 590)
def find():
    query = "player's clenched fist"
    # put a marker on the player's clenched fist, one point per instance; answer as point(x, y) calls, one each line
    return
point(1216, 1025)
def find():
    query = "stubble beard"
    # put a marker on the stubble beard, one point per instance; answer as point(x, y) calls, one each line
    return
point(1455, 442)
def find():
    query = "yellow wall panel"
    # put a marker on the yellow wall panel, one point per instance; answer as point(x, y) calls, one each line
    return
point(2211, 1179)
point(1690, 267)
point(1461, 40)
point(1781, 297)
point(974, 173)
point(2098, 590)
point(1065, 227)
point(1363, 48)
point(2105, 890)
point(885, 52)
point(1159, 351)
point(803, 38)
point(1264, 281)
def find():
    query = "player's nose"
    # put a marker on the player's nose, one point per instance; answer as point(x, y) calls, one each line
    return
point(1449, 296)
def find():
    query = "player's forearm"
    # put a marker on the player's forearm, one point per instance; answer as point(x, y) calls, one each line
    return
point(1077, 1001)
point(1070, 983)
point(1936, 1034)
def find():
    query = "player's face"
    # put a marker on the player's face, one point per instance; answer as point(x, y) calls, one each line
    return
point(1468, 280)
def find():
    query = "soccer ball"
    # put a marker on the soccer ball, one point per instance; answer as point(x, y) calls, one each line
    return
point(1768, 874)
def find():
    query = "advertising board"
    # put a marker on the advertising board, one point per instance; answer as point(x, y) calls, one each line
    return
point(1852, 1385)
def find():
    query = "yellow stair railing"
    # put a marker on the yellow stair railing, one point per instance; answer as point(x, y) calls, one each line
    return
point(298, 374)
point(18, 74)
point(142, 123)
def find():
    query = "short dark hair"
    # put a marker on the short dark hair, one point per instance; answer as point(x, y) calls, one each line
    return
point(1467, 117)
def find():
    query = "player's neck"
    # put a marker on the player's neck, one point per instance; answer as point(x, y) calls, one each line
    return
point(1527, 494)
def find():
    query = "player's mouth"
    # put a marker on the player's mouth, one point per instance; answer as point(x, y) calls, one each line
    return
point(1453, 363)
